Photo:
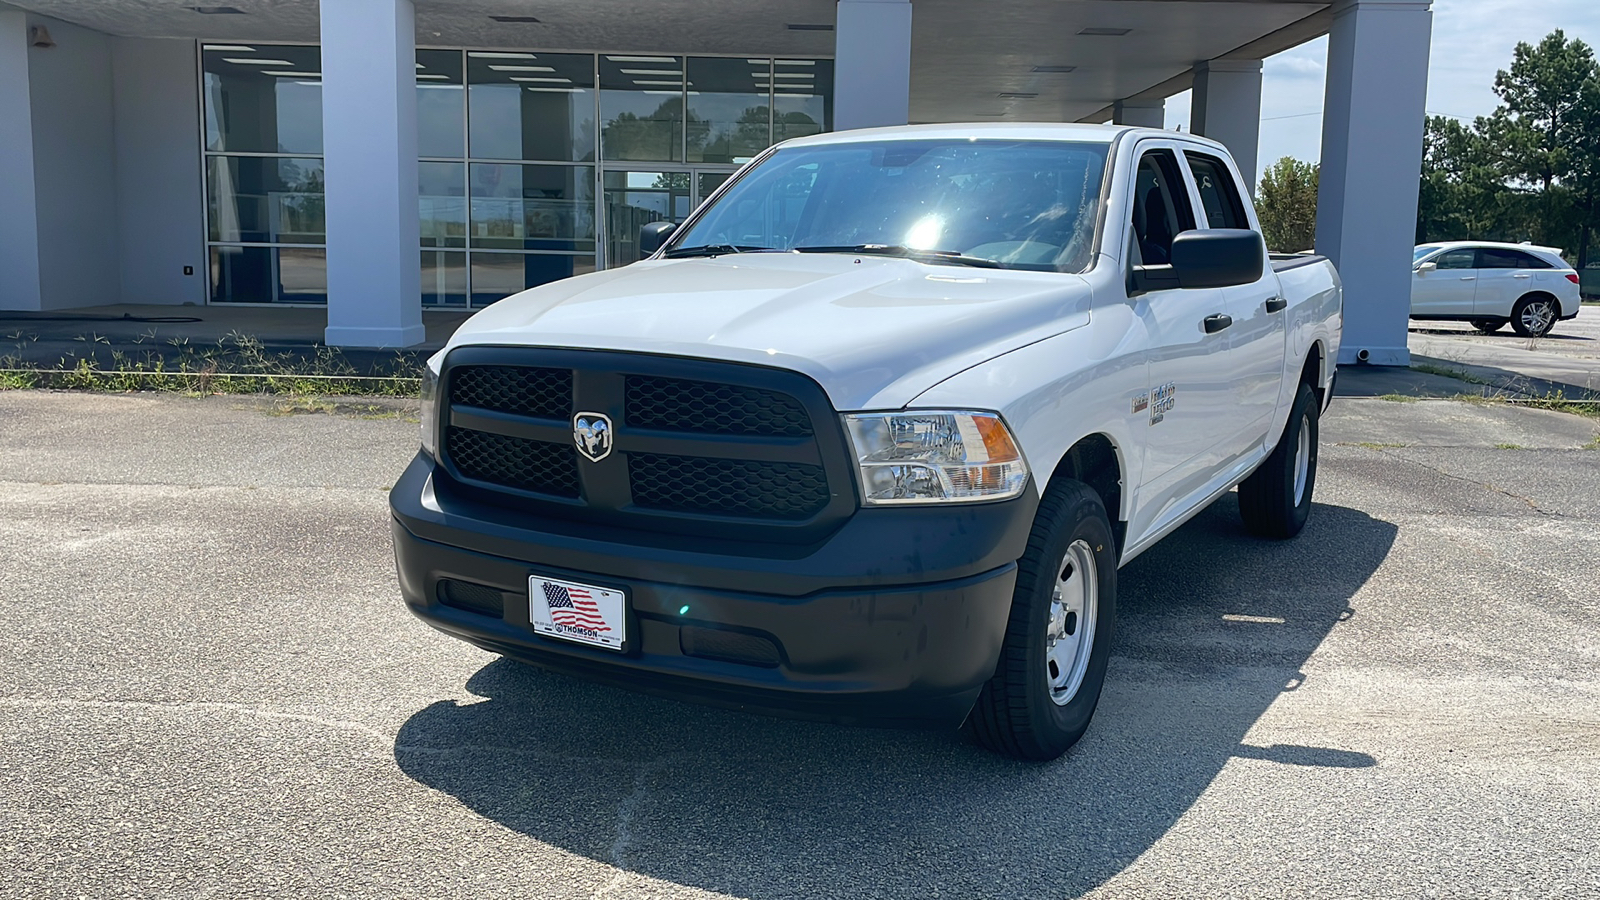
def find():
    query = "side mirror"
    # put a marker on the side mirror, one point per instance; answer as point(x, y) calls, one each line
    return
point(652, 236)
point(1427, 267)
point(1218, 257)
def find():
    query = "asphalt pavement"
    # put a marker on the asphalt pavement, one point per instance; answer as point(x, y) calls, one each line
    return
point(1565, 360)
point(210, 688)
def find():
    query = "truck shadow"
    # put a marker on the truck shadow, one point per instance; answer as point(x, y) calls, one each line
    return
point(1214, 626)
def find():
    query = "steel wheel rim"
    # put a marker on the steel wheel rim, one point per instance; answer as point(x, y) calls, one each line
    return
point(1536, 316)
point(1302, 461)
point(1069, 633)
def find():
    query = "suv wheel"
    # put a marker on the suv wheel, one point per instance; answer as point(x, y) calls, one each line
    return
point(1053, 661)
point(1534, 315)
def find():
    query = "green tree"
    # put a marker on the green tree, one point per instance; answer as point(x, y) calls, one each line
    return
point(1287, 205)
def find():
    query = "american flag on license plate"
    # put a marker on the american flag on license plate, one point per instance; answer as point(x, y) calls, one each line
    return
point(573, 607)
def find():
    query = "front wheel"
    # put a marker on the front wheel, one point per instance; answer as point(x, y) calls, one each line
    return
point(1053, 661)
point(1275, 500)
point(1534, 315)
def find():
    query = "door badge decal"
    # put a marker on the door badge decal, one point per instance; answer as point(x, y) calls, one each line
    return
point(1141, 402)
point(1162, 400)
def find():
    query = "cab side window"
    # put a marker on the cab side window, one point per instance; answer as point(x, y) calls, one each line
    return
point(1218, 193)
point(1161, 208)
point(1457, 259)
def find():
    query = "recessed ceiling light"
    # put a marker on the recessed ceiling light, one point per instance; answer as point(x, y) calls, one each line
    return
point(670, 93)
point(556, 90)
point(650, 71)
point(515, 19)
point(495, 54)
point(758, 62)
point(1105, 32)
point(796, 62)
point(1054, 70)
point(496, 68)
point(554, 80)
point(434, 77)
point(658, 83)
point(217, 10)
point(793, 27)
point(1017, 95)
point(228, 48)
point(794, 74)
point(644, 59)
point(258, 62)
point(295, 74)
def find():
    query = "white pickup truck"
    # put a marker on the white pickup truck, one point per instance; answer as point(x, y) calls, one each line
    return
point(867, 437)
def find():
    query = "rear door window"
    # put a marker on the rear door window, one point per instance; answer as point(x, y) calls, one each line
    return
point(1218, 193)
point(1496, 258)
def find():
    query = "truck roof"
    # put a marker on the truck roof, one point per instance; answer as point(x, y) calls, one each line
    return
point(1026, 131)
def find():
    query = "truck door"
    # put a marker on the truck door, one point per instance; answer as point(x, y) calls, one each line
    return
point(1186, 410)
point(1257, 339)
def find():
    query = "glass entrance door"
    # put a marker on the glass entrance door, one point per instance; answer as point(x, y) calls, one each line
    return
point(633, 198)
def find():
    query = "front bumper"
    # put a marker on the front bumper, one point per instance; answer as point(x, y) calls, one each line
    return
point(896, 618)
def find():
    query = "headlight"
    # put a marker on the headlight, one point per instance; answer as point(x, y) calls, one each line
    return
point(935, 457)
point(430, 409)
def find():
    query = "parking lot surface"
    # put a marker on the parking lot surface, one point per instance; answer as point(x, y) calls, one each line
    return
point(209, 688)
point(1568, 356)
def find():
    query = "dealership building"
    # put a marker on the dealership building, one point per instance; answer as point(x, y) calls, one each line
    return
point(386, 157)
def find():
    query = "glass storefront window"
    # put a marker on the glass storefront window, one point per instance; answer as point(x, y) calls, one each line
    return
point(730, 109)
point(444, 278)
point(635, 199)
point(442, 197)
point(441, 106)
point(258, 199)
point(802, 98)
point(531, 105)
point(496, 276)
point(263, 98)
point(269, 275)
point(531, 207)
point(641, 108)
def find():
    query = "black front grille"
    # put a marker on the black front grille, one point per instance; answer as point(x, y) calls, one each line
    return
point(703, 407)
point(474, 598)
point(523, 390)
point(536, 466)
point(769, 490)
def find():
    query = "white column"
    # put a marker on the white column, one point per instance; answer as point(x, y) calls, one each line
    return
point(1227, 108)
point(1140, 113)
point(1371, 157)
point(19, 218)
point(369, 140)
point(872, 64)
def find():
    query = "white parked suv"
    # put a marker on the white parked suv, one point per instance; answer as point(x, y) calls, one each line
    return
point(867, 437)
point(1490, 284)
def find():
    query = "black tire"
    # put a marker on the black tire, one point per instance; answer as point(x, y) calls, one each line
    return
point(1488, 326)
point(1535, 326)
point(1017, 714)
point(1267, 499)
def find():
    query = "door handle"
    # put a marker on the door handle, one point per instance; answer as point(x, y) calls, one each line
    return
point(1523, 275)
point(1469, 278)
point(1216, 323)
point(1276, 304)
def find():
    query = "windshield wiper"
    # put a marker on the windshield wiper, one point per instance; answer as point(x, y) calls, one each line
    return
point(716, 250)
point(951, 256)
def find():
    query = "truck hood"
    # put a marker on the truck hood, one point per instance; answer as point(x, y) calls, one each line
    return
point(873, 331)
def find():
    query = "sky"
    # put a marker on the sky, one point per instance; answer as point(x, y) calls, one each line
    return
point(1472, 39)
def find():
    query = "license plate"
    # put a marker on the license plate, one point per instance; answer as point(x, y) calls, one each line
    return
point(576, 612)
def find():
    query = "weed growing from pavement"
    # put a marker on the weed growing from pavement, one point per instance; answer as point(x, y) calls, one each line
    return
point(236, 364)
point(1509, 447)
point(1398, 398)
point(1448, 372)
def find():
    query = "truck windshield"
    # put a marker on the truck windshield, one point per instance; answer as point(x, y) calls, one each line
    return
point(999, 204)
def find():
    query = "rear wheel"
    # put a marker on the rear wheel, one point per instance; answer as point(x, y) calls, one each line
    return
point(1275, 500)
point(1488, 326)
point(1053, 661)
point(1534, 315)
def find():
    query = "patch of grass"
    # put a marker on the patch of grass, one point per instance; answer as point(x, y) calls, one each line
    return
point(1447, 372)
point(1398, 398)
point(1594, 444)
point(236, 364)
point(1509, 447)
point(1556, 402)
